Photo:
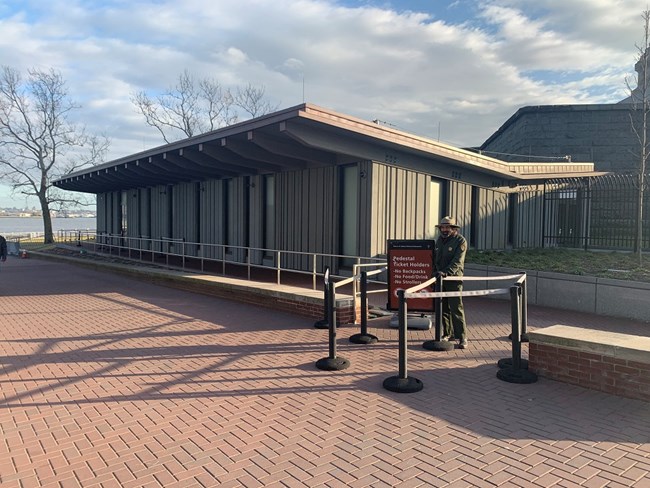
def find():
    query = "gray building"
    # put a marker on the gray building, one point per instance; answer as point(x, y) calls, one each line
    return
point(587, 212)
point(599, 133)
point(311, 180)
point(605, 134)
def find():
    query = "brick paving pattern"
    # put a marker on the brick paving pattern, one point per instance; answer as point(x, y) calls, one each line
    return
point(108, 381)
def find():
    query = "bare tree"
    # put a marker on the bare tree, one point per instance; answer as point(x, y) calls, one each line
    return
point(252, 100)
point(38, 143)
point(193, 107)
point(640, 109)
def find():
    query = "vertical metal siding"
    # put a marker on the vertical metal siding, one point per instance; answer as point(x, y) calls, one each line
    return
point(132, 220)
point(160, 196)
point(116, 213)
point(459, 203)
point(256, 217)
point(223, 216)
point(238, 216)
point(306, 214)
point(212, 213)
point(185, 217)
point(399, 206)
point(101, 212)
point(528, 219)
point(365, 208)
point(144, 216)
point(491, 223)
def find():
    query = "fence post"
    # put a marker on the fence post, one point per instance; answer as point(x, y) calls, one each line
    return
point(363, 337)
point(437, 344)
point(512, 369)
point(332, 362)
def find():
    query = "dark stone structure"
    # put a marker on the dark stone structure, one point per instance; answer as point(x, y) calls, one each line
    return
point(602, 134)
point(605, 134)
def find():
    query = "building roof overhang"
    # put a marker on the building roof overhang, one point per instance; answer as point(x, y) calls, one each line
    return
point(301, 137)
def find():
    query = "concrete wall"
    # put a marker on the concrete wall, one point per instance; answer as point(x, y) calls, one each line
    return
point(602, 296)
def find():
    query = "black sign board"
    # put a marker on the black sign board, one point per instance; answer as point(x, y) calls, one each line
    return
point(410, 262)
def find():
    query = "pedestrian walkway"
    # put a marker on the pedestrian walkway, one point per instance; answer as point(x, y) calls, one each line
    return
point(109, 381)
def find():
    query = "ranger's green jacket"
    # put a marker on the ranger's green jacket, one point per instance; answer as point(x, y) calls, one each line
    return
point(450, 255)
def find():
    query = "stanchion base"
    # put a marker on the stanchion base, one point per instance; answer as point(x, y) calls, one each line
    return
point(508, 363)
point(524, 337)
point(403, 385)
point(438, 345)
point(521, 376)
point(322, 324)
point(363, 339)
point(333, 364)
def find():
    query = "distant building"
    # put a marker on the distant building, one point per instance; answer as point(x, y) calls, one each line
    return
point(601, 133)
point(546, 133)
point(593, 212)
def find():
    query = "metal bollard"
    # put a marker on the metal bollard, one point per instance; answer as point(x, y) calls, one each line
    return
point(332, 362)
point(512, 369)
point(363, 337)
point(402, 383)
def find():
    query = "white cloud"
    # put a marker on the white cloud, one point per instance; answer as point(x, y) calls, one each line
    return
point(425, 72)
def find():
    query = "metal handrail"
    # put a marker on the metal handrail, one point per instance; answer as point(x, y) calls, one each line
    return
point(143, 245)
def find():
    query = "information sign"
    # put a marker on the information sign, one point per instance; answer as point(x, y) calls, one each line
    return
point(410, 262)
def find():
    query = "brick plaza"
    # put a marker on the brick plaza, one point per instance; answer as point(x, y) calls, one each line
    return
point(108, 381)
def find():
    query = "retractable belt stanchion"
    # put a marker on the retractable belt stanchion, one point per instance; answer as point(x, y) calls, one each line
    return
point(363, 337)
point(402, 383)
point(516, 373)
point(332, 362)
point(437, 344)
point(524, 312)
point(322, 323)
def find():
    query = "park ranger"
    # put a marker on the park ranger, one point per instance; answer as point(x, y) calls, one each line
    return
point(450, 261)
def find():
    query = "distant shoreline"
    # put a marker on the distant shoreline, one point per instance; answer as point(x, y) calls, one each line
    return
point(12, 224)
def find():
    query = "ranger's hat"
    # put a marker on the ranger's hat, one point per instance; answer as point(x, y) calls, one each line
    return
point(450, 221)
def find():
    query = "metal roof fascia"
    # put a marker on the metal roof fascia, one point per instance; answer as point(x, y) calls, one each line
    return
point(231, 130)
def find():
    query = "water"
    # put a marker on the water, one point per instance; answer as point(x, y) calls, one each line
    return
point(10, 225)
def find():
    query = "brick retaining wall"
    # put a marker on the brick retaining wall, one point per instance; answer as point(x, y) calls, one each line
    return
point(605, 361)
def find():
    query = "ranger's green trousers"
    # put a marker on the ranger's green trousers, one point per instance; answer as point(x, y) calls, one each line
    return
point(453, 315)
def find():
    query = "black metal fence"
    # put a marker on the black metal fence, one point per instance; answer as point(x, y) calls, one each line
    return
point(595, 213)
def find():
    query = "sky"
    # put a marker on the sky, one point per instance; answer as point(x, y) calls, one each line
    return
point(452, 71)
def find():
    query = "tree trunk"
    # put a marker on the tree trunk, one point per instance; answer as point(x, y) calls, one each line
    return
point(639, 216)
point(47, 221)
